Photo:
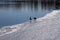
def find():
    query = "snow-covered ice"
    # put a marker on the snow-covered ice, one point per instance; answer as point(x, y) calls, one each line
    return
point(45, 28)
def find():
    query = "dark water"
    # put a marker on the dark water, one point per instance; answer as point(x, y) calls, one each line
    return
point(11, 14)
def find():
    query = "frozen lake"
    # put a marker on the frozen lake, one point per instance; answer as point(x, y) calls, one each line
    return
point(11, 14)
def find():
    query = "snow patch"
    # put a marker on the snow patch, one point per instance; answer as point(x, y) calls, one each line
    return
point(50, 15)
point(10, 29)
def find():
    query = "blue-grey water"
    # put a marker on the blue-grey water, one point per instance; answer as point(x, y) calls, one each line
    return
point(11, 14)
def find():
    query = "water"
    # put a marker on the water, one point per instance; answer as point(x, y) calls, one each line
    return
point(17, 13)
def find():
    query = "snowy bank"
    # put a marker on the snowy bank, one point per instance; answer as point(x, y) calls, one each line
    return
point(45, 28)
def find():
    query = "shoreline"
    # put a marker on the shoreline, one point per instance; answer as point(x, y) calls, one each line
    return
point(13, 28)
